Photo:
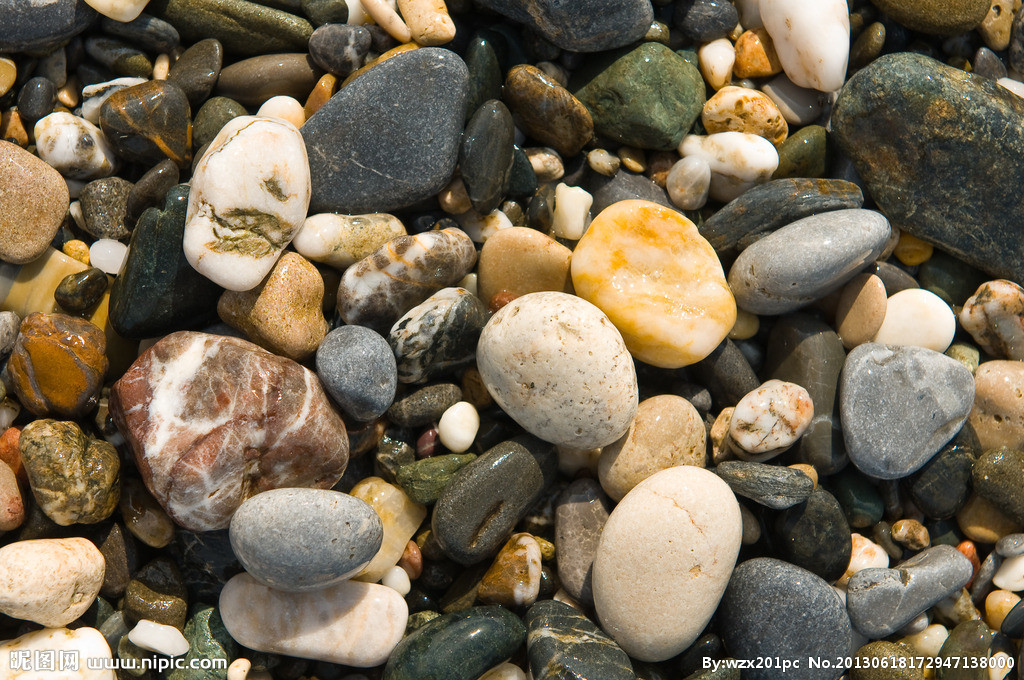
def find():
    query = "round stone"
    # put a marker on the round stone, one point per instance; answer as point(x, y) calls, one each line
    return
point(860, 310)
point(358, 370)
point(33, 201)
point(919, 318)
point(770, 419)
point(658, 280)
point(49, 581)
point(528, 357)
point(938, 17)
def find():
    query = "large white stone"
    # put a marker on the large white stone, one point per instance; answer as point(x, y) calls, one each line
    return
point(812, 39)
point(250, 192)
point(738, 160)
point(919, 318)
point(84, 645)
point(50, 581)
point(119, 10)
point(76, 148)
point(352, 623)
point(664, 560)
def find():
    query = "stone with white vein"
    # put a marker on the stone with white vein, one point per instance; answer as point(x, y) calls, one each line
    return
point(94, 95)
point(249, 197)
point(738, 160)
point(812, 39)
point(76, 148)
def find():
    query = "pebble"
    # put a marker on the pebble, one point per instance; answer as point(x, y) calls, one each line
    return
point(864, 554)
point(995, 415)
point(428, 21)
point(705, 20)
point(860, 310)
point(73, 146)
point(546, 111)
point(772, 486)
point(81, 643)
point(881, 601)
point(739, 109)
point(244, 28)
point(994, 316)
point(197, 69)
point(211, 117)
point(764, 612)
point(108, 255)
point(938, 17)
point(458, 426)
point(36, 98)
point(911, 534)
point(424, 480)
point(899, 406)
point(581, 511)
point(997, 477)
point(425, 405)
point(941, 486)
point(138, 134)
point(156, 637)
point(982, 522)
point(339, 48)
point(812, 40)
point(437, 336)
point(522, 358)
point(71, 568)
point(143, 516)
point(104, 204)
point(304, 539)
point(689, 183)
point(917, 318)
point(716, 60)
point(738, 160)
point(358, 370)
point(572, 212)
point(12, 503)
point(561, 640)
point(33, 202)
point(770, 419)
point(653, 594)
point(584, 26)
point(815, 535)
point(755, 55)
point(790, 267)
point(342, 240)
point(400, 517)
point(519, 260)
point(238, 222)
point(513, 579)
point(799, 105)
point(1010, 575)
point(330, 624)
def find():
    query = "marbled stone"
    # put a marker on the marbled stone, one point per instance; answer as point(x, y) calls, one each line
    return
point(514, 578)
point(49, 581)
point(546, 111)
point(339, 48)
point(485, 157)
point(772, 486)
point(773, 608)
point(814, 535)
point(358, 370)
point(73, 146)
point(881, 601)
point(149, 122)
point(342, 240)
point(581, 511)
point(401, 517)
point(58, 364)
point(304, 539)
point(267, 408)
point(380, 288)
point(994, 316)
point(581, 26)
point(197, 69)
point(38, 27)
point(397, 161)
point(329, 624)
point(437, 336)
point(243, 27)
point(33, 201)
point(900, 405)
point(769, 419)
point(561, 642)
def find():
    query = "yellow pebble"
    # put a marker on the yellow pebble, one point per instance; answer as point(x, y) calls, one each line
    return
point(78, 250)
point(807, 470)
point(633, 159)
point(912, 251)
point(547, 548)
point(997, 605)
point(8, 74)
point(746, 325)
point(983, 522)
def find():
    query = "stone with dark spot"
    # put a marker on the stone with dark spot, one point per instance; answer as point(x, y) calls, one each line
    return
point(424, 405)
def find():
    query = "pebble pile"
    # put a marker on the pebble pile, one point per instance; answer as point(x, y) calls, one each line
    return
point(508, 339)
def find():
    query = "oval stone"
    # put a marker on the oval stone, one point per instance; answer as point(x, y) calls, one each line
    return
point(304, 539)
point(50, 581)
point(528, 356)
point(657, 279)
point(664, 560)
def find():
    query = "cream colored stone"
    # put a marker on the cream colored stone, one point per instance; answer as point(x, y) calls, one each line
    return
point(161, 66)
point(746, 325)
point(664, 560)
point(546, 163)
point(739, 109)
point(383, 13)
point(12, 506)
point(716, 60)
point(812, 39)
point(689, 182)
point(755, 55)
point(50, 581)
point(458, 426)
point(284, 107)
point(721, 447)
point(994, 316)
point(85, 644)
point(428, 21)
point(1010, 575)
point(738, 160)
point(866, 554)
point(929, 641)
point(342, 240)
point(995, 27)
point(352, 623)
point(667, 431)
point(482, 227)
point(658, 280)
point(917, 317)
point(860, 310)
point(401, 518)
point(119, 10)
point(159, 638)
point(998, 412)
point(999, 665)
point(520, 260)
point(572, 212)
point(505, 671)
point(454, 198)
point(76, 148)
point(603, 162)
point(998, 604)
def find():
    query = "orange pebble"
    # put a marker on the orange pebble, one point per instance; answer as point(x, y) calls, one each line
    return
point(412, 560)
point(323, 91)
point(10, 454)
point(500, 299)
point(968, 550)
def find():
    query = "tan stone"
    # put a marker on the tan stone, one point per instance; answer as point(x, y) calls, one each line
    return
point(997, 605)
point(807, 470)
point(513, 580)
point(428, 21)
point(8, 74)
point(520, 260)
point(756, 56)
point(633, 159)
point(283, 313)
point(33, 201)
point(998, 412)
point(454, 198)
point(740, 109)
point(721, 447)
point(12, 128)
point(322, 92)
point(49, 581)
point(666, 431)
point(860, 310)
point(400, 516)
point(995, 28)
point(911, 533)
point(76, 249)
point(912, 251)
point(12, 506)
point(994, 316)
point(982, 522)
point(658, 280)
point(746, 325)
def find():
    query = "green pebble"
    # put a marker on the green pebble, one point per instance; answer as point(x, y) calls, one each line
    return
point(420, 619)
point(321, 12)
point(889, 657)
point(212, 116)
point(969, 640)
point(244, 28)
point(208, 639)
point(157, 593)
point(861, 502)
point(803, 153)
point(423, 480)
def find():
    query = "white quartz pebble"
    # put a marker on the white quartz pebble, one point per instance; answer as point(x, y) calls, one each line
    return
point(572, 212)
point(1010, 575)
point(73, 146)
point(108, 255)
point(94, 95)
point(458, 426)
point(865, 554)
point(799, 105)
point(812, 39)
point(159, 638)
point(505, 671)
point(738, 161)
point(343, 240)
point(481, 227)
point(283, 107)
point(397, 579)
point(716, 60)
point(929, 641)
point(50, 581)
point(83, 644)
point(769, 419)
point(239, 669)
point(688, 183)
point(119, 10)
point(994, 316)
point(1014, 86)
point(249, 196)
point(917, 317)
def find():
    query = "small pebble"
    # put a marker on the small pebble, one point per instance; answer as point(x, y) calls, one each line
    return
point(770, 419)
point(458, 426)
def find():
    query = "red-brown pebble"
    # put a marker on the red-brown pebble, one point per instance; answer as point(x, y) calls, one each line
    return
point(499, 300)
point(426, 445)
point(412, 560)
point(968, 550)
point(11, 455)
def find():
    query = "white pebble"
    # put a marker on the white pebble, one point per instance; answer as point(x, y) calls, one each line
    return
point(770, 419)
point(283, 107)
point(505, 671)
point(481, 227)
point(1014, 86)
point(239, 669)
point(9, 410)
point(812, 39)
point(688, 183)
point(73, 146)
point(999, 666)
point(738, 161)
point(76, 214)
point(108, 255)
point(572, 212)
point(159, 638)
point(799, 105)
point(919, 318)
point(118, 10)
point(929, 641)
point(458, 426)
point(864, 555)
point(397, 579)
point(1010, 575)
point(469, 282)
point(716, 60)
point(94, 95)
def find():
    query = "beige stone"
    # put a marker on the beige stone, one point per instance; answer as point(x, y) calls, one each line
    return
point(666, 431)
point(603, 162)
point(860, 310)
point(284, 313)
point(911, 533)
point(997, 605)
point(994, 316)
point(865, 554)
point(755, 55)
point(520, 260)
point(400, 516)
point(8, 74)
point(721, 447)
point(428, 21)
point(982, 522)
point(12, 505)
point(740, 109)
point(996, 26)
point(81, 644)
point(342, 240)
point(33, 201)
point(546, 163)
point(633, 159)
point(454, 198)
point(998, 413)
point(658, 280)
point(50, 581)
point(746, 325)
point(381, 12)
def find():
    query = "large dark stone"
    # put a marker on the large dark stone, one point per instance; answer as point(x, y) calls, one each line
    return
point(581, 25)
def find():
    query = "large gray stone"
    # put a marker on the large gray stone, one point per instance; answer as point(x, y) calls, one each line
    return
point(39, 25)
point(581, 25)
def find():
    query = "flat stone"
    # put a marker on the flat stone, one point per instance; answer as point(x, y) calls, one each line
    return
point(937, 17)
point(546, 111)
point(485, 157)
point(358, 370)
point(814, 535)
point(581, 511)
point(33, 201)
point(153, 410)
point(561, 641)
point(773, 608)
point(244, 28)
point(49, 581)
point(881, 601)
point(304, 539)
point(900, 405)
point(254, 80)
point(958, 210)
point(772, 486)
point(149, 122)
point(394, 163)
point(42, 27)
point(425, 405)
point(582, 26)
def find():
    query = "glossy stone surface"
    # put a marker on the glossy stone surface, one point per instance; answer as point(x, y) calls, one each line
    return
point(546, 111)
point(81, 292)
point(485, 157)
point(581, 26)
point(243, 27)
point(437, 336)
point(562, 642)
point(772, 486)
point(149, 122)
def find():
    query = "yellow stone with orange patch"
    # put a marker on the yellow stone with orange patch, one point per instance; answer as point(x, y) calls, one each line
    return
point(658, 280)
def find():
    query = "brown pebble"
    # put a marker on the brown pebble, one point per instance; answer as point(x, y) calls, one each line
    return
point(911, 533)
point(454, 198)
point(12, 507)
point(474, 390)
point(808, 470)
point(322, 92)
point(968, 550)
point(982, 522)
point(500, 299)
point(143, 516)
point(521, 260)
point(252, 81)
point(659, 164)
point(756, 56)
point(426, 443)
point(998, 412)
point(861, 310)
point(13, 129)
point(10, 454)
point(412, 560)
point(546, 111)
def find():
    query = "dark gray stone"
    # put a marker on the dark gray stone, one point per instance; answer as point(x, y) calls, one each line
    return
point(38, 26)
point(900, 405)
point(563, 643)
point(773, 608)
point(881, 601)
point(982, 584)
point(339, 48)
point(485, 158)
point(399, 125)
point(197, 69)
point(581, 511)
point(425, 405)
point(104, 205)
point(146, 31)
point(894, 278)
point(941, 487)
point(622, 186)
point(321, 12)
point(705, 20)
point(815, 535)
point(1010, 545)
point(988, 64)
point(304, 539)
point(36, 98)
point(773, 486)
point(358, 370)
point(726, 373)
point(581, 25)
point(1013, 623)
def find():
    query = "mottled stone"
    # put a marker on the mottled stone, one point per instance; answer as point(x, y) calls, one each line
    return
point(814, 535)
point(268, 408)
point(399, 160)
point(401, 517)
point(58, 364)
point(243, 27)
point(741, 109)
point(104, 204)
point(208, 639)
point(882, 660)
point(51, 582)
point(562, 642)
point(304, 539)
point(581, 26)
point(769, 419)
point(900, 405)
point(437, 336)
point(358, 370)
point(485, 157)
point(33, 201)
point(998, 477)
point(80, 292)
point(157, 593)
point(424, 480)
point(773, 486)
point(513, 579)
point(149, 122)
point(940, 488)
point(73, 146)
point(339, 48)
point(581, 511)
point(342, 240)
point(937, 17)
point(994, 316)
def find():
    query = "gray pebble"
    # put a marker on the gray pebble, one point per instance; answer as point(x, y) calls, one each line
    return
point(105, 207)
point(358, 370)
point(425, 405)
point(982, 584)
point(36, 98)
point(10, 322)
point(705, 20)
point(155, 35)
point(772, 486)
point(1010, 545)
point(726, 373)
point(339, 48)
point(580, 514)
